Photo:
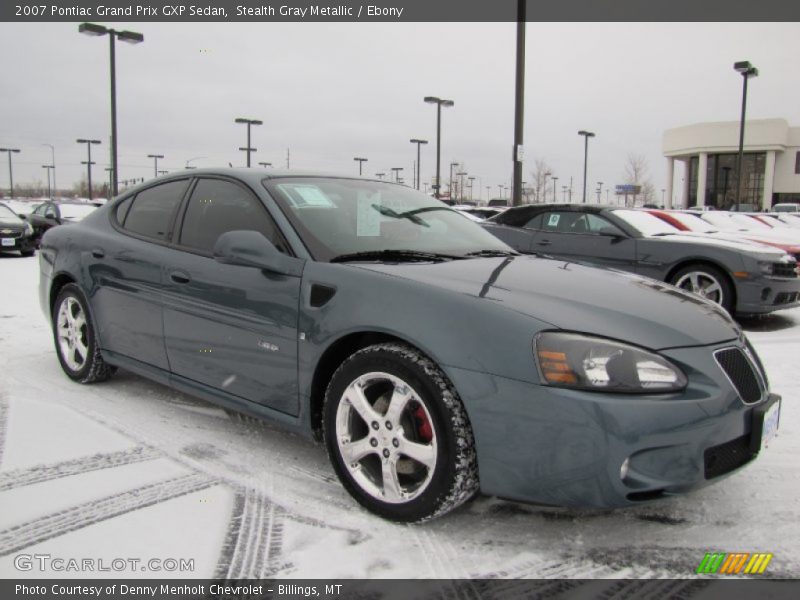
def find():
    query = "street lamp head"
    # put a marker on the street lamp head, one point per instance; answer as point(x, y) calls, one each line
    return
point(130, 37)
point(432, 99)
point(359, 158)
point(248, 121)
point(416, 141)
point(92, 29)
point(745, 68)
point(588, 134)
point(155, 156)
point(448, 103)
point(9, 149)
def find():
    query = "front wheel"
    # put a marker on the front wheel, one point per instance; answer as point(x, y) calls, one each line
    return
point(706, 281)
point(398, 435)
point(75, 338)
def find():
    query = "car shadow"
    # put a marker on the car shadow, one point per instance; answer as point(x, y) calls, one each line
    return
point(771, 322)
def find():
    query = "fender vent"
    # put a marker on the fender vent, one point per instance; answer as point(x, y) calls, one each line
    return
point(321, 295)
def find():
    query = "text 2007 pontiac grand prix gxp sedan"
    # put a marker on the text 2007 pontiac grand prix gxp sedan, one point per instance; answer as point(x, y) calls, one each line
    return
point(433, 360)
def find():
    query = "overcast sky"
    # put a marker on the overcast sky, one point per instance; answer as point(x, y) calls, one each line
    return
point(330, 92)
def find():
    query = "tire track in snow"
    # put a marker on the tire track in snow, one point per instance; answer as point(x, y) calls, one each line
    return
point(254, 541)
point(443, 563)
point(86, 514)
point(39, 473)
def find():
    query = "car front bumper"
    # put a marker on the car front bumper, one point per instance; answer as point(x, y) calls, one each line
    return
point(21, 244)
point(562, 447)
point(767, 294)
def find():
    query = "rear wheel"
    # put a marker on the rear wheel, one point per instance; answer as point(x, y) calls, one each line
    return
point(75, 338)
point(706, 281)
point(398, 436)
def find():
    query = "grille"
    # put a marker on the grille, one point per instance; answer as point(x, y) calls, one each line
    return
point(785, 298)
point(784, 269)
point(740, 372)
point(722, 459)
point(11, 234)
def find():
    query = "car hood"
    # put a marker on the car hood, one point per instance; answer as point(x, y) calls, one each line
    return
point(742, 245)
point(579, 298)
point(11, 224)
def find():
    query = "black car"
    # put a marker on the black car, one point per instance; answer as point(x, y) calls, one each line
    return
point(745, 278)
point(49, 214)
point(15, 234)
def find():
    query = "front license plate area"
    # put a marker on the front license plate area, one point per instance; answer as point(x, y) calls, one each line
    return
point(8, 241)
point(766, 420)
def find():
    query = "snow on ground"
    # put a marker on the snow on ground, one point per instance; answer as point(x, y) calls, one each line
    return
point(132, 469)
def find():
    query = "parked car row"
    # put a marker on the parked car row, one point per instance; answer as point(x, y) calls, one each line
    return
point(433, 359)
point(744, 277)
point(27, 221)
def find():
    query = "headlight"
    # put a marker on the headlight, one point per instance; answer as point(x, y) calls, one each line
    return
point(583, 362)
point(28, 229)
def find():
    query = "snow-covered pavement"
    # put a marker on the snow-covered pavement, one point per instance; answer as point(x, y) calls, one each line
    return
point(131, 469)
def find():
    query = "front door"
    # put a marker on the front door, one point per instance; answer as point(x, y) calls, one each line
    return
point(230, 327)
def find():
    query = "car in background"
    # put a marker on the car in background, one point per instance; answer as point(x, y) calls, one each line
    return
point(688, 222)
point(22, 207)
point(15, 234)
point(749, 226)
point(742, 277)
point(51, 214)
point(789, 207)
point(432, 359)
point(790, 219)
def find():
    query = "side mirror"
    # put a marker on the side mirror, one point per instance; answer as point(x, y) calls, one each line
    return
point(22, 216)
point(610, 232)
point(252, 249)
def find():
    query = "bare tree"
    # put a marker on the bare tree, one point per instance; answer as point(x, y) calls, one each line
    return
point(541, 172)
point(637, 172)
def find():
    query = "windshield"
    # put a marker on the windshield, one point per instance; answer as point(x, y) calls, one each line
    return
point(75, 212)
point(693, 223)
point(723, 221)
point(6, 214)
point(645, 223)
point(336, 217)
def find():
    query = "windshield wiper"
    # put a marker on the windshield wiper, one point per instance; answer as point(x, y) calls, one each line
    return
point(394, 256)
point(481, 253)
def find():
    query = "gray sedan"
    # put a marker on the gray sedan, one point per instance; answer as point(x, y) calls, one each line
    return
point(744, 278)
point(432, 359)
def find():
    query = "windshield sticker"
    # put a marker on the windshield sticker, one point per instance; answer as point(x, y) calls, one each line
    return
point(368, 219)
point(313, 196)
point(553, 220)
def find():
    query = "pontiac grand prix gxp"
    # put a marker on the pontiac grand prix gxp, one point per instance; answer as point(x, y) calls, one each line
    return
point(432, 359)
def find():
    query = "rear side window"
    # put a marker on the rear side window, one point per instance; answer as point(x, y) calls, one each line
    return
point(218, 206)
point(151, 212)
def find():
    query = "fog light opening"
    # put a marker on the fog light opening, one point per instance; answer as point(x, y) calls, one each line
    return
point(765, 293)
point(623, 470)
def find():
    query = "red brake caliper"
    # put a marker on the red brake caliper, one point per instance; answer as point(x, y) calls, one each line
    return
point(424, 428)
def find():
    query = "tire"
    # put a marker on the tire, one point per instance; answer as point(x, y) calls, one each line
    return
point(410, 407)
point(707, 282)
point(75, 338)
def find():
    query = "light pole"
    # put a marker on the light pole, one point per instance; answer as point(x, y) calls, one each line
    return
point(519, 104)
point(10, 170)
point(460, 175)
point(380, 175)
point(564, 189)
point(586, 135)
point(49, 189)
point(109, 170)
point(471, 185)
point(265, 164)
point(191, 159)
point(361, 161)
point(131, 37)
point(155, 158)
point(747, 71)
point(453, 164)
point(248, 122)
point(599, 190)
point(397, 173)
point(53, 162)
point(88, 162)
point(439, 102)
point(418, 143)
point(555, 197)
point(663, 191)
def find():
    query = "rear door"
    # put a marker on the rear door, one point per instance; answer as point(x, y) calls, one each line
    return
point(230, 327)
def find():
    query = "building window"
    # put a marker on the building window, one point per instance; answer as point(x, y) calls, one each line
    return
point(797, 163)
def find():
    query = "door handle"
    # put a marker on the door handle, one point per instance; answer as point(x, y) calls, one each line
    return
point(544, 243)
point(180, 277)
point(98, 252)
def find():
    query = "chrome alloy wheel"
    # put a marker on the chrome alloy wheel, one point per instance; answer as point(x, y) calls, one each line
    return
point(73, 334)
point(385, 437)
point(703, 284)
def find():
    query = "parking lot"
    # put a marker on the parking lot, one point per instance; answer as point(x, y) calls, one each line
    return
point(129, 468)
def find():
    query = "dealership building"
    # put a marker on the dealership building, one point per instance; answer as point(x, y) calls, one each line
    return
point(709, 151)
